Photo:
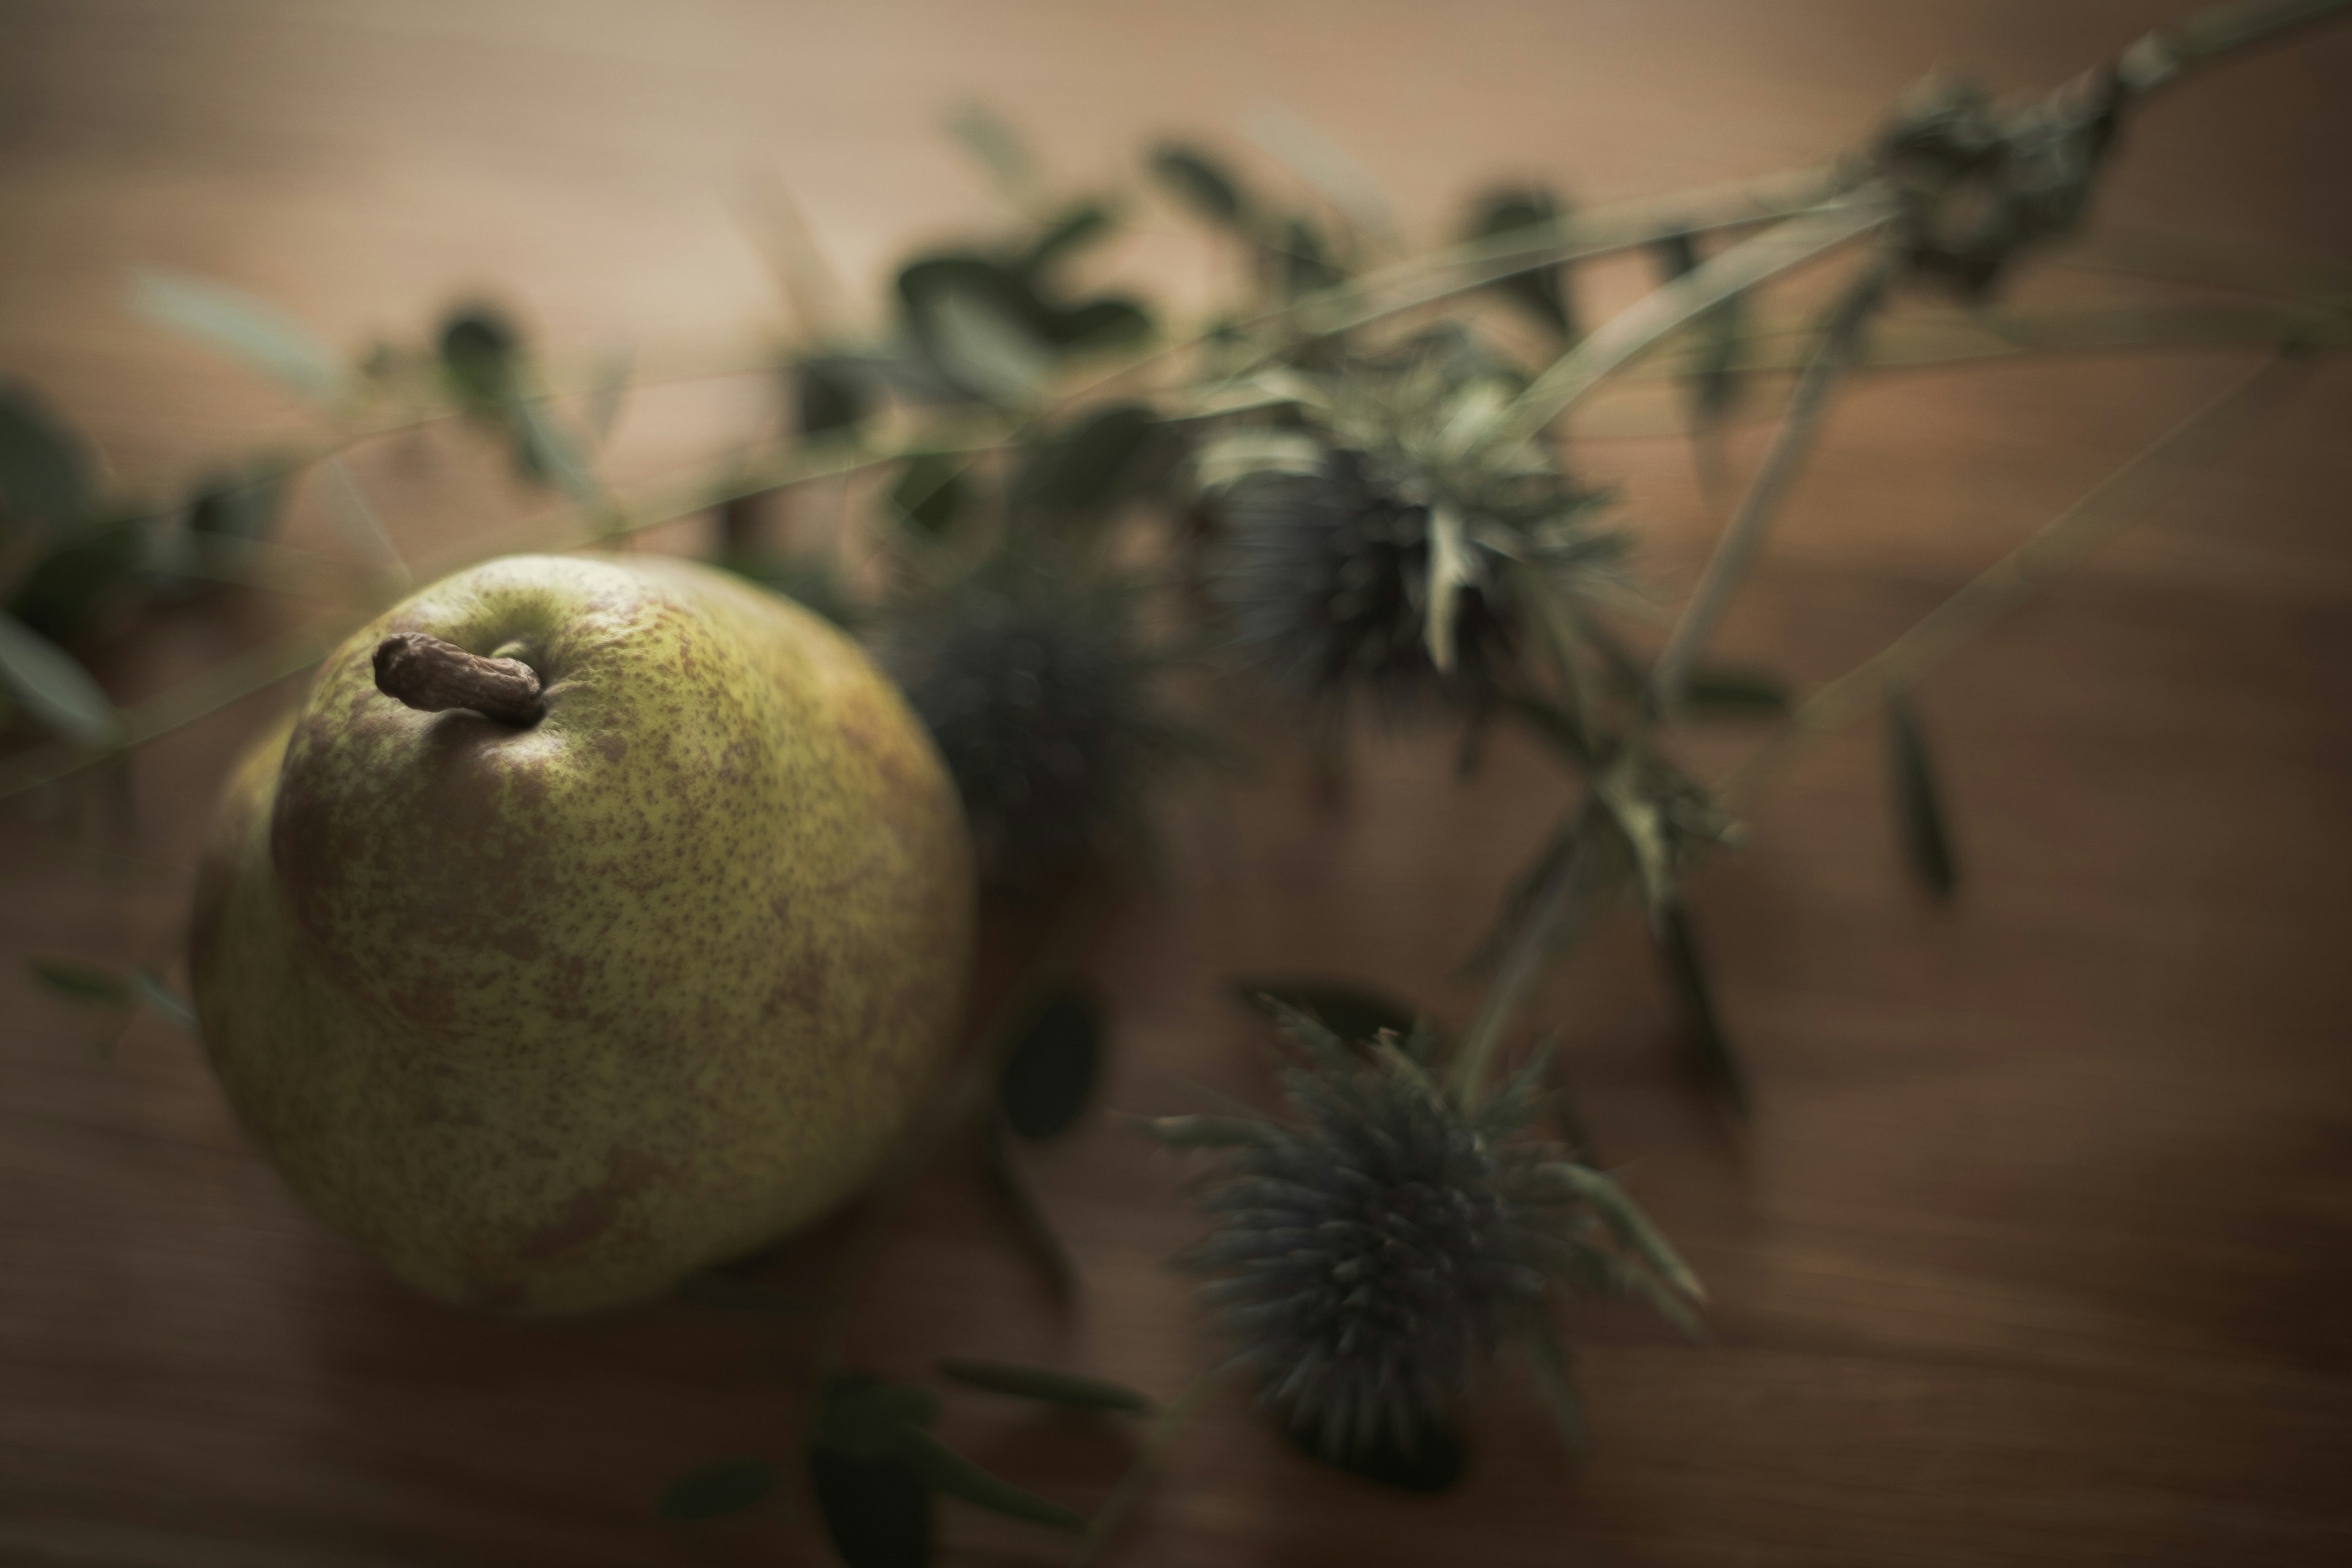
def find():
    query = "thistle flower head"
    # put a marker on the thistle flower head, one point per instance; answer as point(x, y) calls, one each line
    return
point(1369, 1257)
point(1408, 528)
point(1032, 682)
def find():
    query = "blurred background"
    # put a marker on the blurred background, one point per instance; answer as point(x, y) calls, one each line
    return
point(2036, 1249)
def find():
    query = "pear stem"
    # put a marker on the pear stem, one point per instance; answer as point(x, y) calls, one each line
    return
point(431, 676)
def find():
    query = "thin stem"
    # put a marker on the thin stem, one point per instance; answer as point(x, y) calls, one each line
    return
point(1123, 1498)
point(2118, 500)
point(1744, 534)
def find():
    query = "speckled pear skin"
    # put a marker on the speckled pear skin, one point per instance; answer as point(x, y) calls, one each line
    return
point(545, 1017)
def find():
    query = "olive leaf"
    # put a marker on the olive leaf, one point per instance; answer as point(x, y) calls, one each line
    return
point(45, 466)
point(1734, 691)
point(1918, 802)
point(253, 330)
point(722, 1487)
point(82, 982)
point(987, 349)
point(997, 148)
point(1061, 1388)
point(1686, 969)
point(1714, 383)
point(1049, 1075)
point(1351, 1012)
point(54, 688)
point(1075, 227)
point(1539, 1337)
point(1202, 182)
point(1541, 292)
point(72, 587)
point(829, 397)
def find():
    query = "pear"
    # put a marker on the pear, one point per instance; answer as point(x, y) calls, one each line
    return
point(591, 921)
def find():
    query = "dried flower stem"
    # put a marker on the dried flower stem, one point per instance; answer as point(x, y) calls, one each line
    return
point(2118, 500)
point(1744, 534)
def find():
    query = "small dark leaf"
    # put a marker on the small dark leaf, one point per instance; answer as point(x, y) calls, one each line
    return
point(1727, 691)
point(928, 494)
point(481, 354)
point(45, 467)
point(1553, 725)
point(1351, 1013)
point(1433, 1463)
point(829, 397)
point(75, 585)
point(726, 1486)
point(157, 995)
point(1918, 802)
point(1686, 974)
point(53, 687)
point(1088, 469)
point(82, 982)
point(1052, 1387)
point(951, 1472)
point(998, 147)
point(979, 321)
point(1542, 292)
point(1210, 1131)
point(1714, 386)
point(1050, 1074)
point(1074, 228)
point(1306, 264)
point(877, 1509)
point(864, 1415)
point(1105, 322)
point(1203, 182)
point(729, 1292)
point(232, 510)
point(1006, 1180)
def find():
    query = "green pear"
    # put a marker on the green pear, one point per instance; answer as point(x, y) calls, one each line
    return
point(625, 939)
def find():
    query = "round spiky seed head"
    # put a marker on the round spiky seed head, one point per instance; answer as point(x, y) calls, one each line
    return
point(1368, 1259)
point(1324, 582)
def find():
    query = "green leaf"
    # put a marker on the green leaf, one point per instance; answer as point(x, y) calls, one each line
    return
point(1540, 291)
point(1686, 969)
point(229, 509)
point(1104, 322)
point(156, 994)
point(1070, 230)
point(54, 688)
point(979, 323)
point(82, 982)
point(251, 329)
point(1715, 385)
point(986, 135)
point(829, 397)
point(1052, 1387)
point(877, 1507)
point(74, 585)
point(863, 1416)
point(1202, 182)
point(1210, 1131)
point(481, 352)
point(1306, 264)
point(45, 467)
point(1351, 1012)
point(1050, 1074)
point(1918, 802)
point(1553, 725)
point(1090, 467)
point(728, 1292)
point(1628, 1222)
point(725, 1485)
point(1006, 1180)
point(928, 494)
point(1730, 691)
point(958, 1476)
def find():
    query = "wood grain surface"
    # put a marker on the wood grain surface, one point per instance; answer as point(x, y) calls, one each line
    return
point(2040, 1247)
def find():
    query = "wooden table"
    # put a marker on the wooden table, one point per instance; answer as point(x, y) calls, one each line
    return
point(2038, 1247)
